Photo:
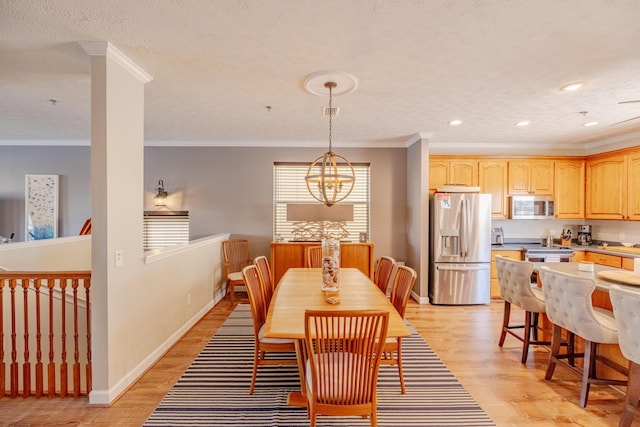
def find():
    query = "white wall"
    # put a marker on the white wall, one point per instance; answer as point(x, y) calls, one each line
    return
point(62, 254)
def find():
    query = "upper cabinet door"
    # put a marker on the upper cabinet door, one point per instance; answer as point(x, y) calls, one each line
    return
point(463, 172)
point(444, 172)
point(493, 180)
point(607, 187)
point(633, 186)
point(569, 189)
point(529, 177)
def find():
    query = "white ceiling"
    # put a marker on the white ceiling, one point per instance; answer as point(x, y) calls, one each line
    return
point(217, 65)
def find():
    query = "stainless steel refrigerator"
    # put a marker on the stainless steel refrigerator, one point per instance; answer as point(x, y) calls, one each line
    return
point(460, 248)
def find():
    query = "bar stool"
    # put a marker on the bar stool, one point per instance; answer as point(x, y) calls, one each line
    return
point(514, 277)
point(568, 300)
point(625, 309)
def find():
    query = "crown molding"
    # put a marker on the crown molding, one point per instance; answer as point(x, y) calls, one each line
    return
point(104, 48)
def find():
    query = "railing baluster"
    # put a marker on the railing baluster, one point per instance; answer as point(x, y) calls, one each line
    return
point(39, 374)
point(64, 387)
point(14, 346)
point(76, 349)
point(87, 287)
point(51, 368)
point(26, 364)
point(3, 366)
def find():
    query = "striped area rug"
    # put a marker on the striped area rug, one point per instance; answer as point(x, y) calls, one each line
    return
point(214, 391)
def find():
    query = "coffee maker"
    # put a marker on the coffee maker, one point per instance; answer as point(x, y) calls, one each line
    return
point(584, 235)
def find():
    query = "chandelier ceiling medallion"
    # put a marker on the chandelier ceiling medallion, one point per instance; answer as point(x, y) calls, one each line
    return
point(330, 178)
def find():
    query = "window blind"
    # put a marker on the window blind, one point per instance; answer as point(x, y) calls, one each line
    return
point(165, 228)
point(289, 186)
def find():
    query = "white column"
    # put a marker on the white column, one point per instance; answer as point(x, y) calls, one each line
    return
point(117, 156)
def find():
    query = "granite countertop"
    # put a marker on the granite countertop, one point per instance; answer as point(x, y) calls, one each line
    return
point(610, 250)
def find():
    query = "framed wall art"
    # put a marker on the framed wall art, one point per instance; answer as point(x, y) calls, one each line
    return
point(41, 207)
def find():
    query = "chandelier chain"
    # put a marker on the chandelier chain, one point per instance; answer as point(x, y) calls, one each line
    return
point(330, 111)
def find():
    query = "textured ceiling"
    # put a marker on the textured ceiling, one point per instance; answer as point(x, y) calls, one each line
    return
point(216, 65)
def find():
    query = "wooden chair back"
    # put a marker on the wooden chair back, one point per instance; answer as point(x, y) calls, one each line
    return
point(237, 255)
point(314, 257)
point(264, 273)
point(256, 297)
point(402, 284)
point(383, 273)
point(344, 349)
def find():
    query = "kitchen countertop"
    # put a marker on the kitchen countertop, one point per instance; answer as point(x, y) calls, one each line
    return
point(575, 247)
point(572, 268)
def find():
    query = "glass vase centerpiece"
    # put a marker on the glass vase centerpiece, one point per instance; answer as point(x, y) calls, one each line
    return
point(330, 265)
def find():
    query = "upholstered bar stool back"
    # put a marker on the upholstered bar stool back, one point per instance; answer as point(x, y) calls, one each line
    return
point(568, 299)
point(626, 303)
point(514, 278)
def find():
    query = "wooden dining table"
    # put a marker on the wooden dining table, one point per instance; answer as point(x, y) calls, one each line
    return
point(300, 289)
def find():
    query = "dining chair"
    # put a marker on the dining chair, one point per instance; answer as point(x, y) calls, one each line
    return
point(343, 349)
point(514, 278)
point(314, 257)
point(569, 307)
point(625, 304)
point(237, 255)
point(264, 273)
point(382, 275)
point(400, 290)
point(262, 344)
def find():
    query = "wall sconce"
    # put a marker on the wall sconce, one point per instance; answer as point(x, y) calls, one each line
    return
point(160, 199)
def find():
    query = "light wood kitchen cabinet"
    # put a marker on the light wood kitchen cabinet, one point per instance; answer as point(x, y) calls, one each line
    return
point(492, 176)
point(633, 186)
point(627, 263)
point(569, 189)
point(604, 259)
point(447, 171)
point(286, 255)
point(495, 285)
point(606, 187)
point(579, 256)
point(531, 177)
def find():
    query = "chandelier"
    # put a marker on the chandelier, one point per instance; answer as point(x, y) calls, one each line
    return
point(330, 178)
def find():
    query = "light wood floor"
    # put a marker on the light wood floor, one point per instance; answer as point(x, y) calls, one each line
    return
point(465, 338)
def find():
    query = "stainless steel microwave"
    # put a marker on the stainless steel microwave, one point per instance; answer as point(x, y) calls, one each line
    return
point(532, 207)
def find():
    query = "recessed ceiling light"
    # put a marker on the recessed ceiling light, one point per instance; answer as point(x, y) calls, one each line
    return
point(455, 122)
point(523, 123)
point(590, 124)
point(572, 86)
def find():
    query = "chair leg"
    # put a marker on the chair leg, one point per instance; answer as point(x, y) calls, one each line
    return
point(233, 294)
point(526, 336)
point(590, 351)
point(633, 395)
point(536, 319)
point(256, 356)
point(555, 351)
point(505, 322)
point(402, 387)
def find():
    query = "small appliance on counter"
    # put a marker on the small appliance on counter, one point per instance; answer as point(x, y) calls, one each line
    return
point(584, 235)
point(497, 236)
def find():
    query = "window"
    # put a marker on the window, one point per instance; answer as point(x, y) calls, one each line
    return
point(289, 186)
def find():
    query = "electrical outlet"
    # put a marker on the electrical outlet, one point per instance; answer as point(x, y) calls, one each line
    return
point(622, 236)
point(119, 259)
point(188, 299)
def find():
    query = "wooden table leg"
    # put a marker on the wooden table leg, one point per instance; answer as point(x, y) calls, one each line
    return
point(299, 398)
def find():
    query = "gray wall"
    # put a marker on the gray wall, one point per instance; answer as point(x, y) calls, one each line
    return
point(72, 166)
point(224, 189)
